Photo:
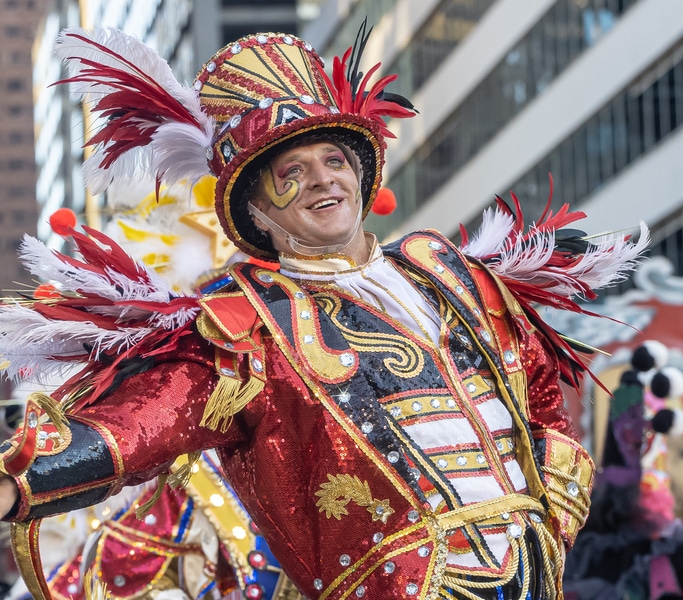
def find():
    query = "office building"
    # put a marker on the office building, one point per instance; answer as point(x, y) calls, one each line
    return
point(18, 23)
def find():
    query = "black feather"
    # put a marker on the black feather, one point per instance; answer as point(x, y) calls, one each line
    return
point(398, 99)
point(353, 73)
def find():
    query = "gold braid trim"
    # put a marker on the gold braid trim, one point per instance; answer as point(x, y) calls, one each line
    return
point(53, 409)
point(94, 590)
point(27, 556)
point(553, 570)
point(552, 567)
point(286, 590)
point(143, 509)
point(464, 588)
point(179, 478)
point(578, 505)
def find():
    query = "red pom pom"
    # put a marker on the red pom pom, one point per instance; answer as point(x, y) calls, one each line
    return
point(385, 202)
point(45, 291)
point(62, 221)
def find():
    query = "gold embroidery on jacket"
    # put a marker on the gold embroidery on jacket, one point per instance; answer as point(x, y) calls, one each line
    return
point(339, 490)
point(406, 359)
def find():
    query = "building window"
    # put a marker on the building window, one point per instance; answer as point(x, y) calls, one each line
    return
point(17, 138)
point(234, 31)
point(14, 85)
point(549, 47)
point(631, 124)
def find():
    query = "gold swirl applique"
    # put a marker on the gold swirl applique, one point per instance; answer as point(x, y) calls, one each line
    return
point(329, 364)
point(339, 490)
point(406, 359)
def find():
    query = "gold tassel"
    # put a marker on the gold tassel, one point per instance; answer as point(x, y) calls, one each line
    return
point(53, 409)
point(229, 397)
point(181, 477)
point(141, 511)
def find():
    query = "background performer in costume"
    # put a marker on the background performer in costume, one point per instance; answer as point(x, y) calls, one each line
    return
point(631, 544)
point(390, 417)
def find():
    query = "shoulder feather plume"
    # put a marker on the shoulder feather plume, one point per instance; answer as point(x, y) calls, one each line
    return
point(152, 123)
point(106, 303)
point(553, 265)
point(557, 261)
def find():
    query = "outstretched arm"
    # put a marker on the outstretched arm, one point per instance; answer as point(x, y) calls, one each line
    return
point(127, 437)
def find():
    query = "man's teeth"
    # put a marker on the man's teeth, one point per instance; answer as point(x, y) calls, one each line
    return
point(324, 203)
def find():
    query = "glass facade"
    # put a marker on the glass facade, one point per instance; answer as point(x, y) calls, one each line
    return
point(448, 26)
point(630, 125)
point(240, 18)
point(374, 10)
point(557, 39)
point(668, 241)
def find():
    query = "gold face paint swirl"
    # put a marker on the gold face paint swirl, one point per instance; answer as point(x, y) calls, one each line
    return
point(280, 200)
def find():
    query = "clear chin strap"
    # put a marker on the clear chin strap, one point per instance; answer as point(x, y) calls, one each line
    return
point(297, 244)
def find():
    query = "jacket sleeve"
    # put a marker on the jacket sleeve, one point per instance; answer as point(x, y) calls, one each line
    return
point(566, 467)
point(129, 436)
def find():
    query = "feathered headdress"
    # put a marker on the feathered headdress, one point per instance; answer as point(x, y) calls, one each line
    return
point(253, 95)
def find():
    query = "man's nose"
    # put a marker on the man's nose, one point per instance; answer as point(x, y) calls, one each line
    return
point(319, 174)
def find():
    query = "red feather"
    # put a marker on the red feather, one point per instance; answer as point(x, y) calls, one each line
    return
point(107, 255)
point(569, 250)
point(134, 110)
point(59, 312)
point(357, 101)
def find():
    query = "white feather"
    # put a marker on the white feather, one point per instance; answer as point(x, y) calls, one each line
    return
point(150, 65)
point(133, 165)
point(522, 261)
point(611, 259)
point(491, 235)
point(38, 347)
point(44, 263)
point(608, 260)
point(179, 149)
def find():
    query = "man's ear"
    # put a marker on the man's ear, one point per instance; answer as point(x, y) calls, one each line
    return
point(258, 222)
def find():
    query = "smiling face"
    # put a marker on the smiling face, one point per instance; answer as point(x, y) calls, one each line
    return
point(312, 192)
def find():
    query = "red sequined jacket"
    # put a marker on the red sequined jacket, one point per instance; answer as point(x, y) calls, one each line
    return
point(291, 385)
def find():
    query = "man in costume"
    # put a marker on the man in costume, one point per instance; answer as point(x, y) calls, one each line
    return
point(390, 417)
